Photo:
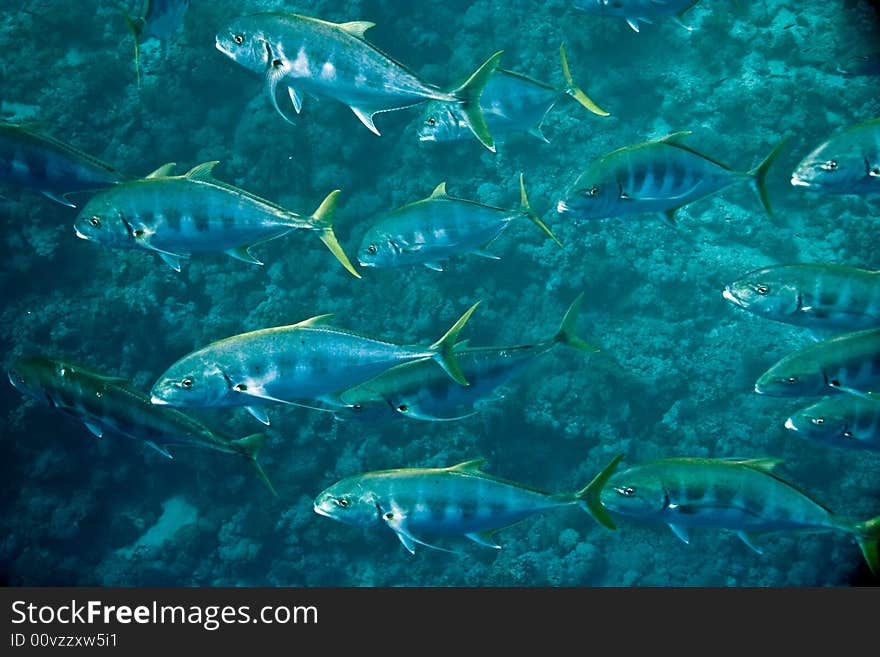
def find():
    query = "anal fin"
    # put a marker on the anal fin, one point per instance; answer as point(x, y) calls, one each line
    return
point(484, 538)
point(366, 118)
point(96, 429)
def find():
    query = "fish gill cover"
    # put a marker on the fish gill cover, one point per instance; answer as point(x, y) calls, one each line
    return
point(677, 364)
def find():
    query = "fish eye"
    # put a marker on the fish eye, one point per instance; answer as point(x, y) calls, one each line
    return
point(186, 383)
point(238, 38)
point(593, 191)
point(62, 371)
point(762, 289)
point(817, 420)
point(626, 491)
point(403, 408)
point(431, 121)
point(372, 249)
point(95, 221)
point(830, 165)
point(847, 434)
point(138, 233)
point(342, 502)
point(791, 379)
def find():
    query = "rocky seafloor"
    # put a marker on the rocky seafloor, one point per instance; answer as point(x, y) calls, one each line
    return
point(677, 365)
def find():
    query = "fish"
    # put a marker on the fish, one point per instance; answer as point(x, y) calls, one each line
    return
point(849, 363)
point(635, 11)
point(438, 227)
point(160, 20)
point(418, 390)
point(34, 160)
point(745, 496)
point(818, 296)
point(511, 103)
point(848, 162)
point(296, 364)
point(840, 421)
point(113, 404)
point(459, 500)
point(175, 216)
point(658, 176)
point(308, 55)
point(864, 64)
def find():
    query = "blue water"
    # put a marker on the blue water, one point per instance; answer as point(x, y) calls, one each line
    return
point(677, 366)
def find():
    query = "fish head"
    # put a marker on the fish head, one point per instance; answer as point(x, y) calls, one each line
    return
point(103, 222)
point(590, 197)
point(764, 293)
point(245, 42)
point(35, 375)
point(379, 249)
point(440, 123)
point(838, 166)
point(793, 376)
point(635, 492)
point(349, 501)
point(196, 381)
point(828, 422)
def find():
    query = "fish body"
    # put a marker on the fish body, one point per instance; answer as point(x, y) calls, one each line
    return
point(441, 226)
point(333, 60)
point(741, 495)
point(635, 11)
point(812, 295)
point(38, 162)
point(867, 64)
point(657, 176)
point(459, 500)
point(840, 421)
point(849, 362)
point(175, 216)
point(419, 390)
point(105, 403)
point(162, 18)
point(511, 102)
point(310, 360)
point(846, 163)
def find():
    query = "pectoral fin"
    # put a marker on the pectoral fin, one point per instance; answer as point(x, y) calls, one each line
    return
point(159, 448)
point(486, 254)
point(58, 199)
point(295, 98)
point(433, 265)
point(96, 429)
point(681, 532)
point(745, 538)
point(484, 538)
point(277, 70)
point(396, 520)
point(259, 413)
point(170, 259)
point(633, 23)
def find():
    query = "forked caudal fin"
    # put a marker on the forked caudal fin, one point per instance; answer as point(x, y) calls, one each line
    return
point(323, 220)
point(527, 209)
point(759, 175)
point(566, 333)
point(589, 495)
point(868, 536)
point(445, 348)
point(575, 91)
point(135, 26)
point(249, 447)
point(467, 103)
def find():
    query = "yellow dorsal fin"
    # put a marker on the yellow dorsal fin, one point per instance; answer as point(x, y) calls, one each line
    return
point(764, 464)
point(162, 171)
point(317, 320)
point(675, 137)
point(473, 465)
point(202, 171)
point(356, 28)
point(440, 191)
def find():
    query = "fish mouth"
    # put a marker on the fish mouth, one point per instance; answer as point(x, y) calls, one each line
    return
point(562, 207)
point(727, 294)
point(158, 401)
point(427, 138)
point(321, 511)
point(790, 425)
point(219, 46)
point(366, 264)
point(800, 182)
point(80, 235)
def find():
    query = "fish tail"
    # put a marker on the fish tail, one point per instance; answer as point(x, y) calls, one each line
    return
point(445, 347)
point(759, 175)
point(868, 536)
point(589, 496)
point(323, 219)
point(135, 26)
point(566, 333)
point(249, 447)
point(575, 91)
point(468, 100)
point(530, 213)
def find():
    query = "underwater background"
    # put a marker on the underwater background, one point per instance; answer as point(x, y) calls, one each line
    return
point(677, 365)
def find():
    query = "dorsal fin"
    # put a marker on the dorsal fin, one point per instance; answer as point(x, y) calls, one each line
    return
point(674, 137)
point(356, 28)
point(767, 464)
point(202, 171)
point(440, 191)
point(162, 171)
point(317, 320)
point(473, 465)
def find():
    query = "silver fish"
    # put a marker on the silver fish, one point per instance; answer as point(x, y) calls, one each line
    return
point(848, 162)
point(459, 500)
point(635, 11)
point(308, 55)
point(841, 421)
